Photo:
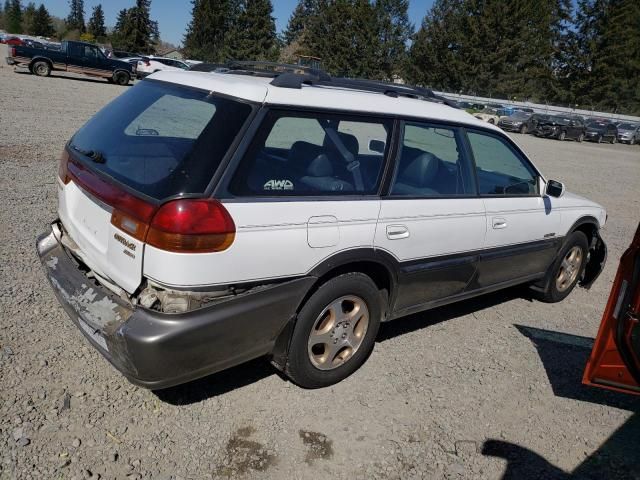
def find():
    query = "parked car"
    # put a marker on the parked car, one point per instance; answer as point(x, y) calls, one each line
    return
point(599, 130)
point(149, 65)
point(488, 115)
point(615, 358)
point(14, 41)
point(561, 128)
point(629, 133)
point(516, 122)
point(77, 57)
point(210, 218)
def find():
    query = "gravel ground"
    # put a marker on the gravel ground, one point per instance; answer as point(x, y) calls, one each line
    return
point(489, 388)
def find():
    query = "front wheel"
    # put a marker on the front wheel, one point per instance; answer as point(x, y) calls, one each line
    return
point(41, 68)
point(581, 137)
point(562, 136)
point(568, 268)
point(335, 331)
point(613, 140)
point(599, 138)
point(523, 129)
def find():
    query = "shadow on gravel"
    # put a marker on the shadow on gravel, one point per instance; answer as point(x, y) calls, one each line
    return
point(78, 79)
point(616, 459)
point(218, 383)
point(429, 318)
point(564, 358)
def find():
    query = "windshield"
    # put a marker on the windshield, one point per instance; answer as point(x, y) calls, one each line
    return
point(597, 125)
point(627, 126)
point(161, 139)
point(560, 120)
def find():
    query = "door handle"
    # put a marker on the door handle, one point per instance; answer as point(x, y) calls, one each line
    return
point(499, 222)
point(396, 232)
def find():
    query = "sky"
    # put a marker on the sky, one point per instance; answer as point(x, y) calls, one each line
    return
point(173, 16)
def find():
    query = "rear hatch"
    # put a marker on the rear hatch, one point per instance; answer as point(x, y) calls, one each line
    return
point(155, 143)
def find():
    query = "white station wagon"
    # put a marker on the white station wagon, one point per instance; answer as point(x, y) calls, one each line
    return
point(206, 219)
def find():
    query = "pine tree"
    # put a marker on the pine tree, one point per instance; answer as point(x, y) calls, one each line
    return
point(344, 35)
point(96, 23)
point(134, 30)
point(434, 56)
point(75, 19)
point(305, 9)
point(254, 35)
point(394, 31)
point(28, 14)
point(13, 17)
point(614, 79)
point(42, 25)
point(210, 31)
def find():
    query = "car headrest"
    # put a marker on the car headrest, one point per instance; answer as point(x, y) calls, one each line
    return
point(320, 167)
point(303, 152)
point(350, 142)
point(421, 171)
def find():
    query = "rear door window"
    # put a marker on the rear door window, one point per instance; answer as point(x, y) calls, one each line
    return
point(161, 139)
point(303, 154)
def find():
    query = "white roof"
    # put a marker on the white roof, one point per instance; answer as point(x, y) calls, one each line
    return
point(258, 89)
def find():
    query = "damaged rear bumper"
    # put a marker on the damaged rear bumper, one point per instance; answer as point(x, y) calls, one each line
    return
point(158, 350)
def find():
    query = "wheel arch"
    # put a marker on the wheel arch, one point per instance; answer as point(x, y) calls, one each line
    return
point(376, 264)
point(40, 59)
point(590, 226)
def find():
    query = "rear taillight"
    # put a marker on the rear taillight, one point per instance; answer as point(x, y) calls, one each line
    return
point(192, 225)
point(63, 166)
point(186, 225)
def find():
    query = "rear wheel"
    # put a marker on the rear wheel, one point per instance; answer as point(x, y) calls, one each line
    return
point(335, 331)
point(632, 141)
point(523, 129)
point(581, 137)
point(599, 138)
point(121, 78)
point(41, 68)
point(562, 135)
point(567, 269)
point(613, 140)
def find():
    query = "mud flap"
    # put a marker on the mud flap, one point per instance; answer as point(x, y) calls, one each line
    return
point(595, 265)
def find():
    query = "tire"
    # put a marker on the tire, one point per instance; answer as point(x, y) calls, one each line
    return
point(562, 136)
point(632, 141)
point(581, 137)
point(523, 129)
point(492, 121)
point(557, 288)
point(41, 68)
point(599, 139)
point(121, 78)
point(613, 140)
point(312, 363)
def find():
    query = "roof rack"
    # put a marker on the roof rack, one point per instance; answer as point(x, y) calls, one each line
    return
point(294, 80)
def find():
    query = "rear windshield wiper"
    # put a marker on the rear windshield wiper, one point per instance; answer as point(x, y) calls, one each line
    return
point(94, 155)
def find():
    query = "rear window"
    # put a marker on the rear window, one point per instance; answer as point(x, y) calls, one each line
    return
point(161, 139)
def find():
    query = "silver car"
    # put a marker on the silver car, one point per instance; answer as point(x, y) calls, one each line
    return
point(629, 133)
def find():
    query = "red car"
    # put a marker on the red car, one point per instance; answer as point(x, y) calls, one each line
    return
point(615, 359)
point(13, 41)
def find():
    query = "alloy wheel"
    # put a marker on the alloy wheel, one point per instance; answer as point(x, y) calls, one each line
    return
point(338, 332)
point(569, 269)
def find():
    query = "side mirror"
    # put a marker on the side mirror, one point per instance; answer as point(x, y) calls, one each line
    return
point(555, 188)
point(376, 146)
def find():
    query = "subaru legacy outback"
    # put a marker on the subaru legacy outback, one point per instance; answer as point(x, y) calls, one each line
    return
point(206, 219)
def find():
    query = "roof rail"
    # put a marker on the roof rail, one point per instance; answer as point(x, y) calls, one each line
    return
point(295, 80)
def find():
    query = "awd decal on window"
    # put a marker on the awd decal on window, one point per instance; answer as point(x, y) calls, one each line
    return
point(278, 185)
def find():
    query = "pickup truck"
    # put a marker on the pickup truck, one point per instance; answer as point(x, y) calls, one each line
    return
point(76, 57)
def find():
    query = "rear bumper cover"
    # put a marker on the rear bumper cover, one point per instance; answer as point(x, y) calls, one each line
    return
point(158, 350)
